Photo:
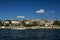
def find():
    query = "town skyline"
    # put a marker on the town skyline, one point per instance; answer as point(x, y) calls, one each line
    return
point(30, 9)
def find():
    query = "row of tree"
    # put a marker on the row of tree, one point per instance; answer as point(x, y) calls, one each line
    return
point(22, 22)
point(56, 22)
point(2, 23)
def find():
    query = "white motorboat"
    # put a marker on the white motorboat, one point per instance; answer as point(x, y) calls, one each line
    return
point(19, 28)
point(3, 26)
point(33, 28)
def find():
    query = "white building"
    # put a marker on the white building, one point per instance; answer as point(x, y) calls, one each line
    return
point(27, 21)
point(49, 23)
point(15, 22)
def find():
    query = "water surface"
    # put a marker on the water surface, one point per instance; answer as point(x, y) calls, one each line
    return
point(30, 34)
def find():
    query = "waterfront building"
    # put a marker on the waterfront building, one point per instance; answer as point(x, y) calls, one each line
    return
point(49, 23)
point(15, 23)
point(27, 21)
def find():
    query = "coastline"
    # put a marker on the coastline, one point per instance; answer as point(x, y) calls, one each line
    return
point(38, 27)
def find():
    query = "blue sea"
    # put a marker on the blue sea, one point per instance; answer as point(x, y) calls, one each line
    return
point(30, 34)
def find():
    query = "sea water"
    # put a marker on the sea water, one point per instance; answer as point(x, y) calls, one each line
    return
point(30, 34)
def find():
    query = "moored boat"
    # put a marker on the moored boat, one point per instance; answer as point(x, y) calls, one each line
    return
point(19, 28)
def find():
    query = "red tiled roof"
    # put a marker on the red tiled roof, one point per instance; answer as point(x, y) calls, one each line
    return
point(26, 20)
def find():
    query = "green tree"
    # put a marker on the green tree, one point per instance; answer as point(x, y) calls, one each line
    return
point(26, 25)
point(34, 24)
point(56, 23)
point(0, 24)
point(8, 24)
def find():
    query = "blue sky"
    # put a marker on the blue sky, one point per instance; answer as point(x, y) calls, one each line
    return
point(10, 9)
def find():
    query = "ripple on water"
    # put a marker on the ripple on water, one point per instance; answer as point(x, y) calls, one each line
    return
point(30, 34)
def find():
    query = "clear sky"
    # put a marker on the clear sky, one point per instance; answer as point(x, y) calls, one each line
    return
point(47, 9)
